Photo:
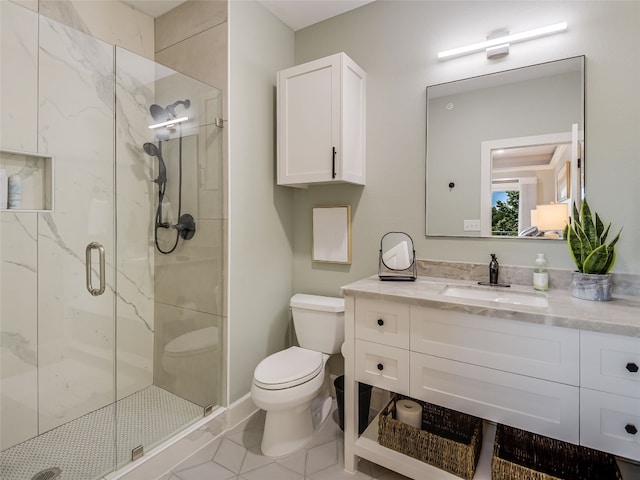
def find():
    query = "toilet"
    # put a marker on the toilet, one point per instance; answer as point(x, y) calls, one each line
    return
point(291, 385)
point(190, 356)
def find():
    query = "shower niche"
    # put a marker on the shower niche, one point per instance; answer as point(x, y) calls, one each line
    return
point(35, 173)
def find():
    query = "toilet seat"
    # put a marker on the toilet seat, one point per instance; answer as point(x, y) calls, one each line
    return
point(193, 343)
point(288, 368)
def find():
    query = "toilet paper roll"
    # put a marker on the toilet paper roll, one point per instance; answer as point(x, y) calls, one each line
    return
point(409, 412)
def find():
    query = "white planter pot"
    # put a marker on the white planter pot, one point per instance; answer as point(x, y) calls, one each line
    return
point(591, 286)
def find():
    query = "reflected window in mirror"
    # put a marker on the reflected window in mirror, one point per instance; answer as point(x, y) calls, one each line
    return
point(519, 131)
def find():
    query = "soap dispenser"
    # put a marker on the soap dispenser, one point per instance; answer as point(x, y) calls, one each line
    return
point(540, 274)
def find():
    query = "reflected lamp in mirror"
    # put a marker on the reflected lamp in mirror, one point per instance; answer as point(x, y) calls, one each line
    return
point(550, 219)
point(397, 257)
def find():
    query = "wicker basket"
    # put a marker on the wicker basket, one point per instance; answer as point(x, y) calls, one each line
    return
point(520, 455)
point(448, 439)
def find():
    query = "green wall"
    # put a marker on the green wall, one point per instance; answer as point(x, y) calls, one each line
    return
point(396, 43)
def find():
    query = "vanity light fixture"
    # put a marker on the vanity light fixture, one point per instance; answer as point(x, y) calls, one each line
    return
point(169, 123)
point(500, 45)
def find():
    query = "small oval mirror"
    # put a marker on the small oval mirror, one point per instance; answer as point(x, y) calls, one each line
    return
point(397, 257)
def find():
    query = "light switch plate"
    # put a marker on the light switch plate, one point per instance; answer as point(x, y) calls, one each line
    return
point(472, 225)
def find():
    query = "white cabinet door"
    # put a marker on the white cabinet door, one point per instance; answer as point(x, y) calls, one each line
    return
point(321, 122)
point(610, 423)
point(538, 406)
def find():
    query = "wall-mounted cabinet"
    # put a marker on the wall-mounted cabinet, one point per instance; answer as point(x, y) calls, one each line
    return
point(35, 174)
point(321, 122)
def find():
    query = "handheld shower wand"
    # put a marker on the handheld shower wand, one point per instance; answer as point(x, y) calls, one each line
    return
point(153, 151)
point(186, 225)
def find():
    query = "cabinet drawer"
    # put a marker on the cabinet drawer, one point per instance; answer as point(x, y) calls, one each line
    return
point(608, 423)
point(382, 322)
point(540, 351)
point(539, 406)
point(610, 363)
point(382, 366)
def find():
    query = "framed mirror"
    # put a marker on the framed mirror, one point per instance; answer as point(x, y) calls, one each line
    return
point(501, 148)
point(397, 257)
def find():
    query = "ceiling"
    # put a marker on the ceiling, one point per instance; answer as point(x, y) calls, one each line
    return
point(297, 14)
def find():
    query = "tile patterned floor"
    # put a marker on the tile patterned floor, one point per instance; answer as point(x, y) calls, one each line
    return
point(236, 455)
point(84, 448)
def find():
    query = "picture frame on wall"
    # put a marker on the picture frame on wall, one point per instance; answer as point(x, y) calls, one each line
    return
point(563, 182)
point(331, 234)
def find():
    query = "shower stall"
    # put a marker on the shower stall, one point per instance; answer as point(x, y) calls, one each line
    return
point(112, 271)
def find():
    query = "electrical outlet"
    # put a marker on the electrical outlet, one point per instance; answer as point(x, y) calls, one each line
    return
point(472, 225)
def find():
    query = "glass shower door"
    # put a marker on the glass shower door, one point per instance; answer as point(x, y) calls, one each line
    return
point(169, 244)
point(57, 279)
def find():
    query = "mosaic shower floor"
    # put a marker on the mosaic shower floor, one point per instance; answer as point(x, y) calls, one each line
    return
point(83, 449)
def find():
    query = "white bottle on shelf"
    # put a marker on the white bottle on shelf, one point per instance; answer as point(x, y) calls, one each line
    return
point(4, 186)
point(14, 200)
point(540, 274)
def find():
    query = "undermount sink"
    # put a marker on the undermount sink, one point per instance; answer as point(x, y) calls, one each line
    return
point(495, 294)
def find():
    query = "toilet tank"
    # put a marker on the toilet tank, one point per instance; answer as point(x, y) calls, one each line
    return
point(318, 322)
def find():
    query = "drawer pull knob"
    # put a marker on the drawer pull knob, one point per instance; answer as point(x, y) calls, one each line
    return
point(631, 429)
point(632, 367)
point(380, 322)
point(380, 367)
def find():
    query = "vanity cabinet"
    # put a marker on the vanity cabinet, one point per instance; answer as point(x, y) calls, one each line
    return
point(564, 383)
point(321, 122)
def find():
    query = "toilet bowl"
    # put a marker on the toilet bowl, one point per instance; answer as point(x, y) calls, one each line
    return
point(189, 356)
point(291, 385)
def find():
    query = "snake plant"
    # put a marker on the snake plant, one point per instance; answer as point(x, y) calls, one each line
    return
point(587, 237)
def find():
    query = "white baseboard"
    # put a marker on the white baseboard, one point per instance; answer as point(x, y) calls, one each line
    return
point(163, 458)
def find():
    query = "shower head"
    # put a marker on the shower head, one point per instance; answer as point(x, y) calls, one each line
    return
point(153, 151)
point(161, 114)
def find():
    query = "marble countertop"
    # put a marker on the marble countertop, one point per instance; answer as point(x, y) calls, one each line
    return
point(620, 316)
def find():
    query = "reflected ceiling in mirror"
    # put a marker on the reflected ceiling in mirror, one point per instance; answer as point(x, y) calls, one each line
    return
point(499, 145)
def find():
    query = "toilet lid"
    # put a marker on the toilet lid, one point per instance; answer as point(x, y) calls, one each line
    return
point(193, 342)
point(288, 368)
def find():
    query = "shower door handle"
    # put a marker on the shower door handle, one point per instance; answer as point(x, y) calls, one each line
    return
point(95, 246)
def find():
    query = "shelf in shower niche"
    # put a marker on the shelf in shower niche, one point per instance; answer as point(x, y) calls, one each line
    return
point(36, 174)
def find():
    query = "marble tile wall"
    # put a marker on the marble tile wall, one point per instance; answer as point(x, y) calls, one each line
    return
point(75, 123)
point(19, 53)
point(111, 21)
point(57, 98)
point(18, 232)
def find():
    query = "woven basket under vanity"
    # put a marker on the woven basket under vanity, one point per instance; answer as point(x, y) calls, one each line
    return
point(448, 439)
point(520, 455)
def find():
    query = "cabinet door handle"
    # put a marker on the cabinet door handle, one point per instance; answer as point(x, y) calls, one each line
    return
point(632, 367)
point(631, 429)
point(94, 246)
point(380, 322)
point(333, 163)
point(380, 367)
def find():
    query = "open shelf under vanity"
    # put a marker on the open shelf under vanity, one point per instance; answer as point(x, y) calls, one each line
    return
point(367, 447)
